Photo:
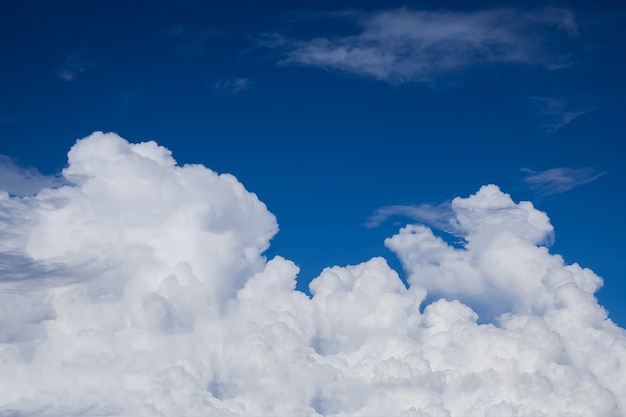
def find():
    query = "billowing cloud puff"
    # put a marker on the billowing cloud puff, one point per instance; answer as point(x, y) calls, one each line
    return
point(500, 267)
point(140, 288)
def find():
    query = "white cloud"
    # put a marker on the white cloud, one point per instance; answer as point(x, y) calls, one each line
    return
point(141, 289)
point(559, 180)
point(500, 268)
point(404, 45)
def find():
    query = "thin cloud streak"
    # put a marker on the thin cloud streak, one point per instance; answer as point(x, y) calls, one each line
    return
point(559, 180)
point(403, 45)
point(438, 216)
point(559, 112)
point(231, 86)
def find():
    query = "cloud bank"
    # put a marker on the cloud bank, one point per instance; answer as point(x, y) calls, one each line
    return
point(142, 289)
point(404, 45)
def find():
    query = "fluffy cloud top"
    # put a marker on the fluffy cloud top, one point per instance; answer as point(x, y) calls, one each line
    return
point(141, 289)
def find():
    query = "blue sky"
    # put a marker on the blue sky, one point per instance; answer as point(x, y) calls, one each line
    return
point(443, 180)
point(332, 112)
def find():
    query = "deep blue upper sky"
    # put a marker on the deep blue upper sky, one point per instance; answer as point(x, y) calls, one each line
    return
point(263, 91)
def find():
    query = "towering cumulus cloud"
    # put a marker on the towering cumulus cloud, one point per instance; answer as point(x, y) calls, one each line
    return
point(140, 288)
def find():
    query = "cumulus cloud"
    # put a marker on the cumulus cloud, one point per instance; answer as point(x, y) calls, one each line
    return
point(559, 180)
point(141, 288)
point(493, 270)
point(404, 45)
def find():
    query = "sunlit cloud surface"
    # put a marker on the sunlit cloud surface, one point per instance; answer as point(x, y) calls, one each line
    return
point(140, 288)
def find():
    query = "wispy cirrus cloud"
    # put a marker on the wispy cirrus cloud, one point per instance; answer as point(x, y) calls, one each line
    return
point(559, 180)
point(404, 45)
point(77, 63)
point(231, 86)
point(439, 216)
point(559, 112)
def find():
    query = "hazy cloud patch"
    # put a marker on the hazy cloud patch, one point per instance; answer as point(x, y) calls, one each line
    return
point(559, 112)
point(404, 45)
point(438, 216)
point(559, 180)
point(78, 63)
